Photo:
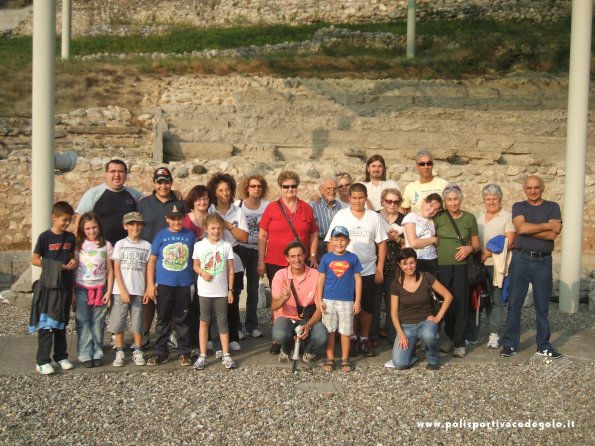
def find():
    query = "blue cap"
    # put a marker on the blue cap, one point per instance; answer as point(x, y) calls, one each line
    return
point(340, 231)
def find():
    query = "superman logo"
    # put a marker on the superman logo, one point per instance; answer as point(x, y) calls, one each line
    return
point(339, 267)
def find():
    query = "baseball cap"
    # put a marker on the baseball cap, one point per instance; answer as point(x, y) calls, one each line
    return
point(132, 217)
point(162, 174)
point(174, 209)
point(339, 231)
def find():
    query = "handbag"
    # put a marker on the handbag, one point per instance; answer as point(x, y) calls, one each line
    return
point(435, 301)
point(476, 270)
point(304, 313)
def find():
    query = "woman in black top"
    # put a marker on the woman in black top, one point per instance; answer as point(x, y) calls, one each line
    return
point(412, 312)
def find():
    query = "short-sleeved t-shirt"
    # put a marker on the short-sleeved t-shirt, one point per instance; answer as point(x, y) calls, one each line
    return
point(424, 228)
point(153, 211)
point(133, 257)
point(414, 307)
point(57, 247)
point(364, 234)
point(174, 257)
point(213, 259)
point(375, 191)
point(498, 225)
point(546, 211)
point(111, 206)
point(236, 216)
point(92, 263)
point(253, 217)
point(280, 234)
point(305, 287)
point(447, 236)
point(340, 274)
point(416, 192)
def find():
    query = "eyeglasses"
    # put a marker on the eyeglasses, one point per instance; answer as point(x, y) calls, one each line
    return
point(425, 163)
point(330, 189)
point(392, 201)
point(255, 186)
point(289, 186)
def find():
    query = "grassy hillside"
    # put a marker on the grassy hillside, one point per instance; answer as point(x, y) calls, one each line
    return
point(448, 50)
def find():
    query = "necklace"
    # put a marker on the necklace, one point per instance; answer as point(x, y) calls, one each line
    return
point(291, 215)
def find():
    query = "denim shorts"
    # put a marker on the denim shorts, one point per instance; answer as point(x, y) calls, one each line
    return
point(119, 314)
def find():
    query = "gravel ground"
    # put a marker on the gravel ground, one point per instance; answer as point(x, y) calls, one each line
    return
point(260, 406)
point(269, 405)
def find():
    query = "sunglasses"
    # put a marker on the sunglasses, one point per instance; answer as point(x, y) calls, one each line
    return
point(255, 186)
point(344, 185)
point(392, 201)
point(426, 163)
point(289, 186)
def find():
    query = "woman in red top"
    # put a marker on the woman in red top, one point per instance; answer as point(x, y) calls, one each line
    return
point(276, 227)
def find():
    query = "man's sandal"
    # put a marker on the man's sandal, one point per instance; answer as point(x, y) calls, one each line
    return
point(346, 366)
point(329, 365)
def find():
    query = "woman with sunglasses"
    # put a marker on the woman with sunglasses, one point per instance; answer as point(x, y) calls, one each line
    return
point(390, 199)
point(282, 222)
point(254, 189)
point(344, 180)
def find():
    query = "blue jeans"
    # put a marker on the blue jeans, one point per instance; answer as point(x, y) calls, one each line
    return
point(90, 327)
point(283, 333)
point(428, 333)
point(525, 269)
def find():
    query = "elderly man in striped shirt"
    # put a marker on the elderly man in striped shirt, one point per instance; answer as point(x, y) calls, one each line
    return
point(324, 210)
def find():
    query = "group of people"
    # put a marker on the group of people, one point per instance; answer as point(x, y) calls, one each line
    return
point(331, 263)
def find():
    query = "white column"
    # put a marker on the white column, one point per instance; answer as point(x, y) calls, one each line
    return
point(66, 27)
point(576, 149)
point(410, 29)
point(42, 138)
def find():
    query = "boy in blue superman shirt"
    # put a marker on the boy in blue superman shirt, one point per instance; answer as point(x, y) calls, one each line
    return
point(339, 295)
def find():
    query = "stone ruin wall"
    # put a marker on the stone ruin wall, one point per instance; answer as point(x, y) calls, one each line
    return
point(480, 131)
point(155, 16)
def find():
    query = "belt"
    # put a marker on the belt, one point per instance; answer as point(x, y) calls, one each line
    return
point(534, 253)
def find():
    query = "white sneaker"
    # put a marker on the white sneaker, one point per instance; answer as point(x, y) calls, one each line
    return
point(119, 361)
point(459, 352)
point(45, 369)
point(228, 362)
point(241, 335)
point(219, 354)
point(65, 364)
point(235, 346)
point(389, 364)
point(494, 340)
point(283, 357)
point(256, 333)
point(210, 346)
point(138, 358)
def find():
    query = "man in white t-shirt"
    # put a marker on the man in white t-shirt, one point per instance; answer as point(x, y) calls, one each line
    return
point(376, 181)
point(416, 192)
point(367, 232)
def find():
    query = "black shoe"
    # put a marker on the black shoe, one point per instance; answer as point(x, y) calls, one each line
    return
point(156, 360)
point(97, 362)
point(549, 353)
point(366, 349)
point(433, 367)
point(275, 349)
point(508, 351)
point(88, 364)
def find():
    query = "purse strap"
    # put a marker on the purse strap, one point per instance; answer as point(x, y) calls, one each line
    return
point(300, 308)
point(295, 234)
point(454, 225)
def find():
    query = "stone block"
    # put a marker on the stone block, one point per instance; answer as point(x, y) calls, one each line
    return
point(23, 283)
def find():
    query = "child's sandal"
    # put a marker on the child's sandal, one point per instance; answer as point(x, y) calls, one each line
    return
point(329, 365)
point(346, 366)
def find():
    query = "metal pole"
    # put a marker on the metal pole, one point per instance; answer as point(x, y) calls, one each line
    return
point(576, 149)
point(410, 29)
point(42, 138)
point(66, 27)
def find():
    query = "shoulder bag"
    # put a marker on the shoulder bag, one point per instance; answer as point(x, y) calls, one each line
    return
point(295, 234)
point(435, 301)
point(304, 313)
point(476, 270)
